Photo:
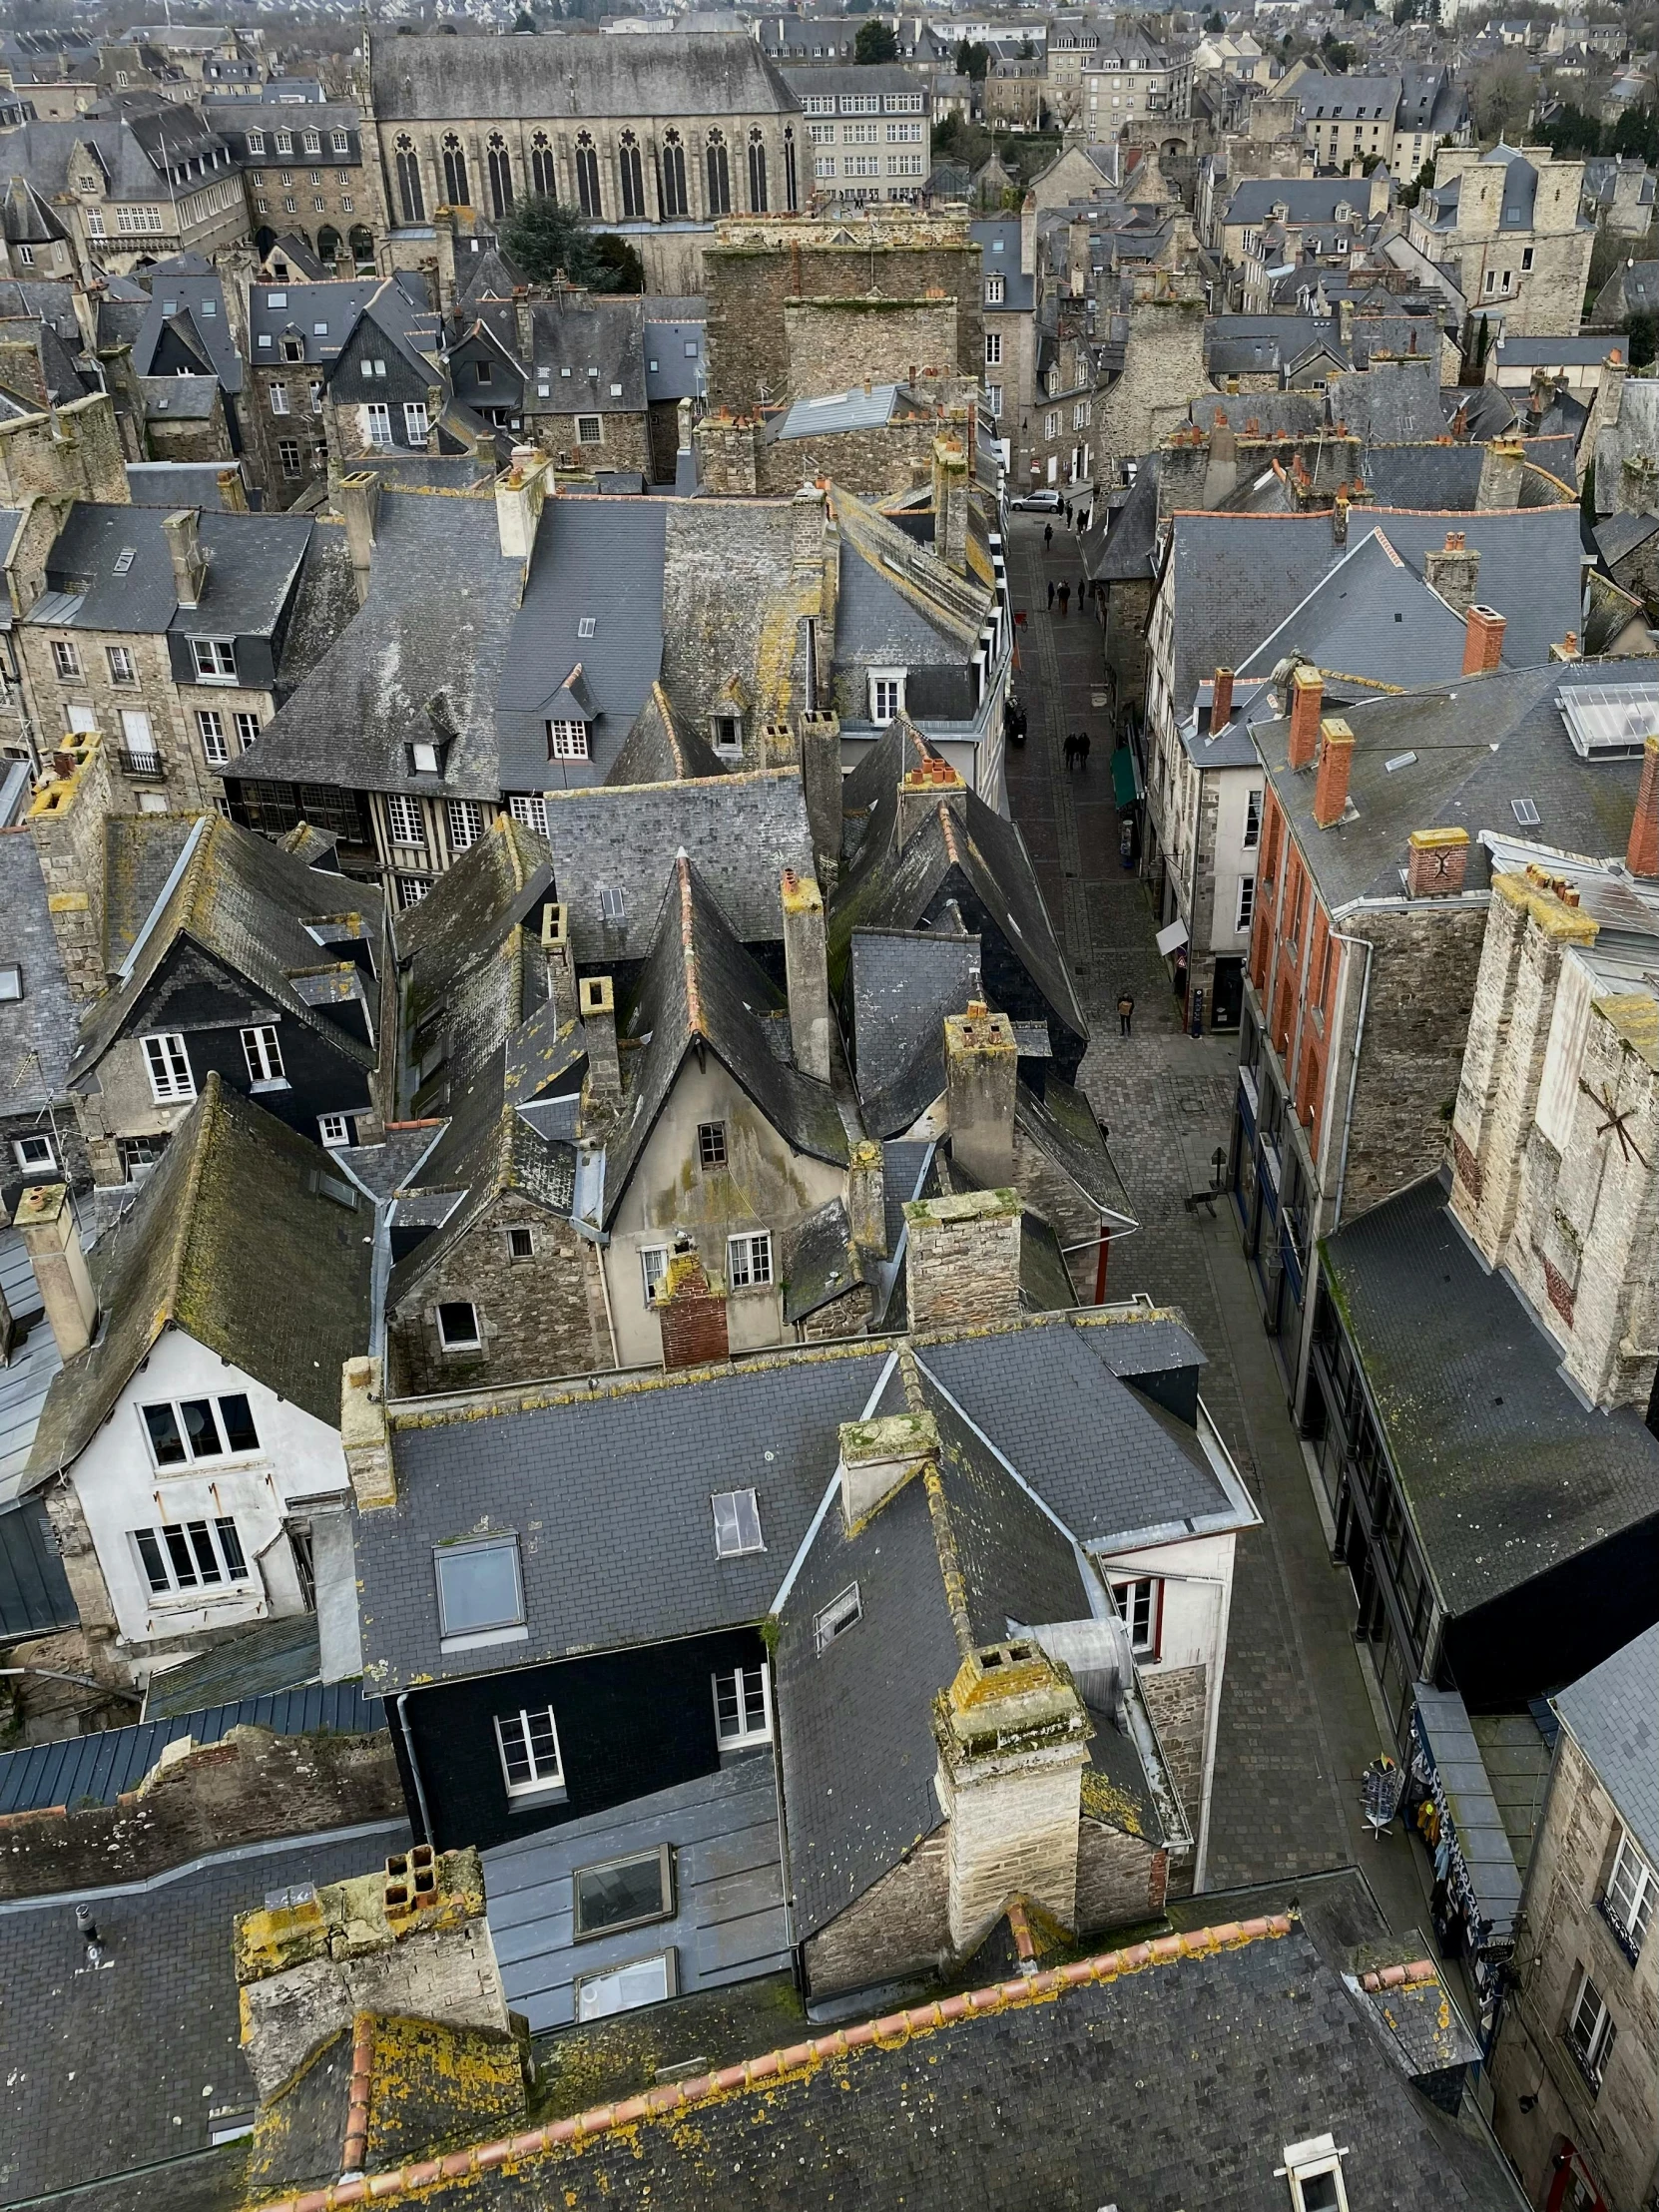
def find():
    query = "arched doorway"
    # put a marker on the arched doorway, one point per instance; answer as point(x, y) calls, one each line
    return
point(362, 249)
point(328, 246)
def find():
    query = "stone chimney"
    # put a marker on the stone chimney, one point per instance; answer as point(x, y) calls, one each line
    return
point(691, 1312)
point(53, 1243)
point(877, 1459)
point(359, 499)
point(921, 792)
point(1610, 393)
point(519, 497)
point(1306, 699)
point(951, 503)
point(962, 1259)
point(1220, 700)
point(1482, 640)
point(806, 973)
point(560, 961)
point(1012, 1737)
point(867, 1199)
point(981, 1063)
point(1435, 863)
point(597, 1007)
point(189, 564)
point(1335, 765)
point(1502, 465)
point(1641, 855)
point(363, 1434)
point(1453, 570)
point(232, 492)
point(819, 739)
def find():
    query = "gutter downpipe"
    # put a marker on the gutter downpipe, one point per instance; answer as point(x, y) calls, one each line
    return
point(1354, 1073)
point(414, 1765)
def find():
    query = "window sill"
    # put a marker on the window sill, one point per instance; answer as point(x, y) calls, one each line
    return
point(275, 1083)
point(482, 1636)
point(218, 683)
point(534, 1800)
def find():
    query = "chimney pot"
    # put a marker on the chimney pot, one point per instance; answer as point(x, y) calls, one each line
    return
point(50, 1237)
point(1306, 699)
point(1641, 855)
point(1336, 762)
point(1435, 863)
point(1482, 640)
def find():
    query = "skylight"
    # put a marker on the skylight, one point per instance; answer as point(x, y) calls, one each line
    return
point(1400, 760)
point(125, 559)
point(1525, 812)
point(1607, 722)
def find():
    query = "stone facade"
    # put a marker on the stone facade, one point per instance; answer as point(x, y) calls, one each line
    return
point(70, 452)
point(963, 1261)
point(1163, 372)
point(1534, 270)
point(65, 821)
point(737, 459)
point(1545, 2107)
point(813, 307)
point(1178, 1702)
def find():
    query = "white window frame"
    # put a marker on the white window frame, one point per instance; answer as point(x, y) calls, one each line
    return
point(667, 1890)
point(1139, 1598)
point(531, 809)
point(248, 728)
point(21, 1148)
point(123, 667)
point(417, 422)
point(994, 348)
point(1245, 913)
point(1313, 2160)
point(749, 1259)
point(279, 398)
point(542, 1780)
point(210, 728)
point(406, 821)
point(995, 293)
point(222, 1431)
point(590, 429)
point(198, 1537)
point(412, 889)
point(653, 1270)
point(262, 1049)
point(66, 659)
point(737, 1523)
point(1591, 2049)
point(474, 1342)
point(377, 423)
point(882, 682)
point(1630, 1874)
point(166, 1058)
point(590, 1988)
point(567, 740)
point(496, 1632)
point(333, 1130)
point(466, 823)
point(739, 1683)
point(830, 1622)
point(214, 660)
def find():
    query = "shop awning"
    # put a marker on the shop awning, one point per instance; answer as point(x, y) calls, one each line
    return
point(1123, 777)
point(1480, 1839)
point(1173, 938)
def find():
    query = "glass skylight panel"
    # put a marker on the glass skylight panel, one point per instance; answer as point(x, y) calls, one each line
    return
point(1607, 720)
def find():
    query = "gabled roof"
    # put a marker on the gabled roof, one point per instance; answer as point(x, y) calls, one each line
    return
point(1370, 620)
point(246, 904)
point(1612, 1712)
point(658, 751)
point(243, 1237)
point(700, 988)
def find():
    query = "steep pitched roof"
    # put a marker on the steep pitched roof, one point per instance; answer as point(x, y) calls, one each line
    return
point(658, 751)
point(700, 987)
point(245, 901)
point(246, 1238)
point(1614, 1712)
point(670, 74)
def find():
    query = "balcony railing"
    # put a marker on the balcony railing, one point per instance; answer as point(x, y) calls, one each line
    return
point(148, 764)
point(1626, 1942)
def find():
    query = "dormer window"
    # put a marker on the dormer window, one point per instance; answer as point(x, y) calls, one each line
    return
point(726, 730)
point(425, 759)
point(284, 142)
point(567, 740)
point(1313, 2170)
point(887, 695)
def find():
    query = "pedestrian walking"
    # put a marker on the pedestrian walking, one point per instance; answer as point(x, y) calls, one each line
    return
point(1082, 749)
point(1048, 536)
point(1082, 592)
point(1126, 1010)
point(1051, 595)
point(1065, 597)
point(1066, 510)
point(1070, 747)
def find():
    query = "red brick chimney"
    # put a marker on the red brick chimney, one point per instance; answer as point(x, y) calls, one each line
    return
point(1307, 698)
point(1221, 702)
point(1435, 863)
point(1336, 759)
point(1641, 855)
point(692, 1313)
point(1482, 640)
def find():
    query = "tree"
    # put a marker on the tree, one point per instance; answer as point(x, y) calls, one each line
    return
point(1339, 56)
point(524, 20)
point(1214, 22)
point(1028, 51)
point(1411, 194)
point(1500, 97)
point(973, 59)
point(547, 241)
point(1643, 334)
point(875, 42)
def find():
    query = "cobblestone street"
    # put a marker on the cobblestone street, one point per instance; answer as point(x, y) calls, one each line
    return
point(1297, 1727)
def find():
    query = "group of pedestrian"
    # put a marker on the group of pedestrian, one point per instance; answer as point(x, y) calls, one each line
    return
point(1077, 749)
point(1063, 592)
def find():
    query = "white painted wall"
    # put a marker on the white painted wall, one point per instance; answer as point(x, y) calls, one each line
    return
point(121, 1488)
point(1234, 858)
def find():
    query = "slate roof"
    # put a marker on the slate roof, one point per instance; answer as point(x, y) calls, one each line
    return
point(245, 903)
point(1505, 1473)
point(24, 1382)
point(1309, 199)
point(181, 399)
point(1393, 403)
point(37, 1031)
point(1371, 618)
point(672, 75)
point(658, 750)
point(252, 561)
point(1613, 1711)
point(701, 989)
point(1479, 744)
point(1620, 535)
point(232, 1182)
point(138, 853)
point(583, 347)
point(902, 983)
point(175, 484)
point(675, 347)
point(395, 673)
point(1089, 1445)
point(319, 316)
point(186, 286)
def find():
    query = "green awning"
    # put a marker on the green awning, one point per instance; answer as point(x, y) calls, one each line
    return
point(1123, 777)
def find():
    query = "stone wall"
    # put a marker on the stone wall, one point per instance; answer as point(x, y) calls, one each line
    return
point(963, 1262)
point(539, 1318)
point(66, 822)
point(625, 441)
point(74, 453)
point(1178, 1702)
point(1121, 1878)
point(737, 459)
point(1163, 372)
point(901, 1925)
point(247, 1788)
point(833, 344)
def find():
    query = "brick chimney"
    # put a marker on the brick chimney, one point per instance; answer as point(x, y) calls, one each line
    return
point(1220, 700)
point(951, 503)
point(519, 497)
point(1336, 763)
point(1453, 570)
point(596, 1003)
point(867, 1199)
point(183, 532)
point(806, 973)
point(53, 1243)
point(1307, 698)
point(363, 1434)
point(877, 1459)
point(962, 1259)
point(981, 1063)
point(1435, 863)
point(691, 1312)
point(1012, 1737)
point(1482, 640)
point(1641, 855)
point(921, 792)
